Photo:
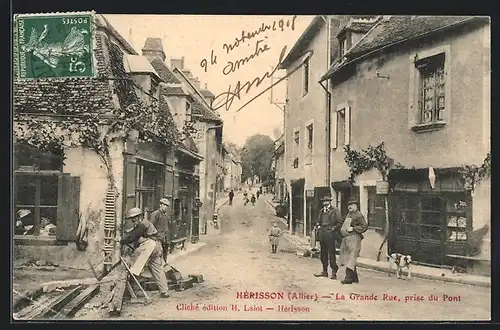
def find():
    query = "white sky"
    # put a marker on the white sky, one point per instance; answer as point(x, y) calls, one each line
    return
point(195, 36)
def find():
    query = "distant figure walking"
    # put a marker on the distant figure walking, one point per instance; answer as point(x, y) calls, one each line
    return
point(253, 200)
point(231, 196)
point(258, 193)
point(245, 195)
point(274, 234)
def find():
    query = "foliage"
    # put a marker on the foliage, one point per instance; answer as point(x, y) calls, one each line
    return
point(473, 174)
point(366, 159)
point(256, 157)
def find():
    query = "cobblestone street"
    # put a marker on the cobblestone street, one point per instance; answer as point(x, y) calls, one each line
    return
point(239, 260)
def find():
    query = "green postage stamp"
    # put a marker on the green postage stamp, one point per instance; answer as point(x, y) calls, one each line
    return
point(54, 45)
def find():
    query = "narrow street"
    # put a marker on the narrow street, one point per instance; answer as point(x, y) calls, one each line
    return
point(239, 260)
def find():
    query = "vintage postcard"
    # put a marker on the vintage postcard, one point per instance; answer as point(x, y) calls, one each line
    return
point(204, 167)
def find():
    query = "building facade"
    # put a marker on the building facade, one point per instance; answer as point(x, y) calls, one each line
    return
point(414, 94)
point(83, 159)
point(280, 186)
point(207, 135)
point(306, 155)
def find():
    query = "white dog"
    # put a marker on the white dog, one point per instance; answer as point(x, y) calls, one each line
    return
point(400, 261)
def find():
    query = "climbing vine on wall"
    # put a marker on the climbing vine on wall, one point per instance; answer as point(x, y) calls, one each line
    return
point(473, 174)
point(366, 159)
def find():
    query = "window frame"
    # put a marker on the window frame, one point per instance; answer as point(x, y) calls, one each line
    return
point(309, 147)
point(306, 76)
point(414, 111)
point(37, 177)
point(344, 108)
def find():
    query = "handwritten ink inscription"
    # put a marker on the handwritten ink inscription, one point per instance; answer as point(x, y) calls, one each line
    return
point(226, 99)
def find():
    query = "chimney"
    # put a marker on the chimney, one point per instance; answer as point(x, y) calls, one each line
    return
point(153, 48)
point(178, 63)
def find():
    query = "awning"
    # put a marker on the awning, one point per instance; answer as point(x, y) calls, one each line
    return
point(189, 153)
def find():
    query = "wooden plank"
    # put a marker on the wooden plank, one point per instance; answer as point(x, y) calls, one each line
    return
point(131, 290)
point(56, 304)
point(119, 290)
point(35, 308)
point(74, 305)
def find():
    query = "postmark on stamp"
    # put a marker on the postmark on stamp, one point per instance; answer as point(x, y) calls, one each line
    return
point(54, 45)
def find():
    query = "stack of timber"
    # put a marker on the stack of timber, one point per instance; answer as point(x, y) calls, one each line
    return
point(60, 306)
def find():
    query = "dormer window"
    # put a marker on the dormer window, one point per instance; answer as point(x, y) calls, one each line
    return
point(344, 43)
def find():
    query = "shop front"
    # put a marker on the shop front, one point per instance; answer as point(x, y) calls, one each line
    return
point(186, 202)
point(430, 216)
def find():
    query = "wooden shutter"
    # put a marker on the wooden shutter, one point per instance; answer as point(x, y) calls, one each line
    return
point(129, 182)
point(333, 130)
point(68, 207)
point(347, 130)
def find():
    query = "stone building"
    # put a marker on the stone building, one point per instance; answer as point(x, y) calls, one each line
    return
point(307, 150)
point(421, 86)
point(207, 136)
point(86, 150)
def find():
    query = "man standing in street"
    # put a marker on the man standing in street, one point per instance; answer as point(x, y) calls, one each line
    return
point(327, 226)
point(142, 231)
point(231, 196)
point(352, 233)
point(161, 219)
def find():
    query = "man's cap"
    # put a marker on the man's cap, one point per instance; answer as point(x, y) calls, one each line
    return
point(165, 201)
point(326, 199)
point(133, 212)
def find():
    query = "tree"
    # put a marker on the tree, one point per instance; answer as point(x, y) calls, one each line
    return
point(256, 157)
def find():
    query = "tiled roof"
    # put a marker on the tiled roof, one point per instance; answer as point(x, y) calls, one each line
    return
point(393, 30)
point(360, 26)
point(74, 96)
point(175, 90)
point(197, 108)
point(116, 34)
point(399, 28)
point(153, 44)
point(207, 93)
point(164, 72)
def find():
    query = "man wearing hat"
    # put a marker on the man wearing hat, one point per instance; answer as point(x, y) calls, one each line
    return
point(161, 220)
point(329, 220)
point(143, 230)
point(352, 233)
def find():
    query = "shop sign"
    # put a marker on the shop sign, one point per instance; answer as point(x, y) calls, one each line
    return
point(382, 187)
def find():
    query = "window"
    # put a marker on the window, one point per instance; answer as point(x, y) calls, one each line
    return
point(432, 83)
point(376, 209)
point(46, 201)
point(306, 77)
point(309, 149)
point(429, 96)
point(147, 182)
point(341, 132)
point(432, 217)
point(343, 46)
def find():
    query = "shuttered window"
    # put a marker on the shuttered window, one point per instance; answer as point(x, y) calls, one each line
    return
point(47, 204)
